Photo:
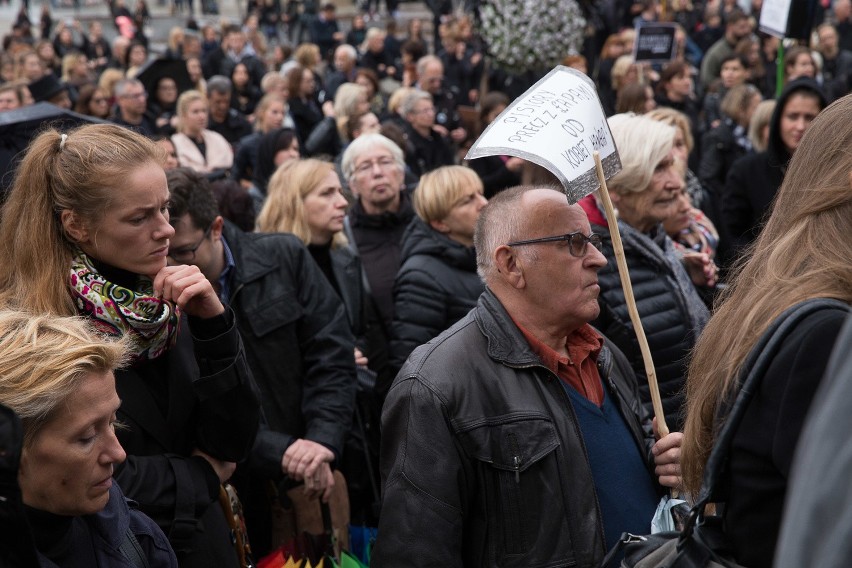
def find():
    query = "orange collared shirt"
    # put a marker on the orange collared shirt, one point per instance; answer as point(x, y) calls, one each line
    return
point(579, 369)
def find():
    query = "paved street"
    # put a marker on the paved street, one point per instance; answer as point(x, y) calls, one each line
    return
point(162, 20)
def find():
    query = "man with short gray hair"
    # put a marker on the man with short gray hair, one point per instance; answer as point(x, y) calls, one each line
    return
point(132, 109)
point(228, 122)
point(345, 59)
point(517, 437)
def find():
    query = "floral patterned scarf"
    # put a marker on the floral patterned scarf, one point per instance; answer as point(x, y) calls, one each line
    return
point(116, 310)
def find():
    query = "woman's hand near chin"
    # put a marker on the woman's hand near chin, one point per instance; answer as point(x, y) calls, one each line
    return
point(187, 287)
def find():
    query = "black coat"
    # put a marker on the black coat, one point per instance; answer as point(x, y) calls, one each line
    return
point(300, 349)
point(306, 114)
point(378, 240)
point(200, 394)
point(719, 151)
point(436, 286)
point(665, 319)
point(763, 447)
point(428, 152)
point(461, 410)
point(494, 174)
point(755, 179)
point(298, 342)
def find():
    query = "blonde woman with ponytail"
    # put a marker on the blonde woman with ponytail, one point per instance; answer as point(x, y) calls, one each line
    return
point(85, 231)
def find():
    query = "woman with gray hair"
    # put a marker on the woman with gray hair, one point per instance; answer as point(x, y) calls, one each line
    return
point(374, 167)
point(645, 193)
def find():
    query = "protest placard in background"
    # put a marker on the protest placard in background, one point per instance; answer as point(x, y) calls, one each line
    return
point(773, 17)
point(792, 19)
point(558, 123)
point(655, 42)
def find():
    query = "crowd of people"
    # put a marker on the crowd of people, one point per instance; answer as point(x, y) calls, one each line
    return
point(261, 262)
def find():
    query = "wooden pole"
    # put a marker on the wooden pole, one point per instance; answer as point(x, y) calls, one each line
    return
point(603, 194)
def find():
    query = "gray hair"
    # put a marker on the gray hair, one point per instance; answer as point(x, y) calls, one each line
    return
point(407, 105)
point(642, 144)
point(219, 84)
point(363, 144)
point(121, 86)
point(425, 61)
point(500, 222)
point(350, 51)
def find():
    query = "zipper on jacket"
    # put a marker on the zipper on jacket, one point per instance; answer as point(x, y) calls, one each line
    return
point(516, 458)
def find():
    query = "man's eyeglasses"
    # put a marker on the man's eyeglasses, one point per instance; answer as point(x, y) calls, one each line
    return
point(364, 168)
point(576, 242)
point(187, 255)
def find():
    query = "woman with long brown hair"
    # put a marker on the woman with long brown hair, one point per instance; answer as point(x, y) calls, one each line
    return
point(803, 252)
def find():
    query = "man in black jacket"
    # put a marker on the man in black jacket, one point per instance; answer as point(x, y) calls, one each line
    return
point(297, 342)
point(516, 437)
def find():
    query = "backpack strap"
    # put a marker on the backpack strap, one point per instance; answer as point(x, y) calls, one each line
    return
point(132, 550)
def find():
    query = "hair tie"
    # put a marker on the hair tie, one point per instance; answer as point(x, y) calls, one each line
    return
point(62, 142)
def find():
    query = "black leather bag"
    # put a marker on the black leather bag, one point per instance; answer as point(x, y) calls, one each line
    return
point(702, 543)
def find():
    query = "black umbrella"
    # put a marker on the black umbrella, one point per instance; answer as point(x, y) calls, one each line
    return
point(18, 127)
point(154, 70)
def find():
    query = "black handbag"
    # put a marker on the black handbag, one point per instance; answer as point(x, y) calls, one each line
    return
point(702, 542)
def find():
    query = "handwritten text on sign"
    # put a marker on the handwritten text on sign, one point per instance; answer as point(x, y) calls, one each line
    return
point(558, 124)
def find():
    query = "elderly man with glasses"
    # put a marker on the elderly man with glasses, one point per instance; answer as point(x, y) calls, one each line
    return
point(132, 107)
point(516, 437)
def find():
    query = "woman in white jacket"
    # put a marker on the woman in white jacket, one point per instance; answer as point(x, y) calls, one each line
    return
point(197, 147)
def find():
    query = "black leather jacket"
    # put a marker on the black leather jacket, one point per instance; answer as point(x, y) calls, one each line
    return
point(297, 342)
point(483, 463)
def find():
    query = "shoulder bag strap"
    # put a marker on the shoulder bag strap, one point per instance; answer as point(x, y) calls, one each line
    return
point(757, 362)
point(132, 550)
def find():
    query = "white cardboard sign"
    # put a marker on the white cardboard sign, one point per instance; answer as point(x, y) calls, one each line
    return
point(773, 17)
point(558, 124)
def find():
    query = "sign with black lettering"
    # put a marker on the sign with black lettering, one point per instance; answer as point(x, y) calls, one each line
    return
point(558, 124)
point(655, 42)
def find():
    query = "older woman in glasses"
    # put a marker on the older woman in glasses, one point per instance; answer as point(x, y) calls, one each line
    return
point(645, 193)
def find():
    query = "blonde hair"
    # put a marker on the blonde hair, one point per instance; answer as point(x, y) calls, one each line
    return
point(284, 208)
point(737, 99)
point(642, 144)
point(346, 104)
point(672, 117)
point(68, 63)
point(43, 359)
point(760, 119)
point(308, 55)
point(441, 189)
point(263, 105)
point(85, 175)
point(108, 80)
point(183, 102)
point(803, 252)
point(619, 71)
point(399, 95)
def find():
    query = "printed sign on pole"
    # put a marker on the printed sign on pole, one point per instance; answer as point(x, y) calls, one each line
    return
point(655, 42)
point(558, 124)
